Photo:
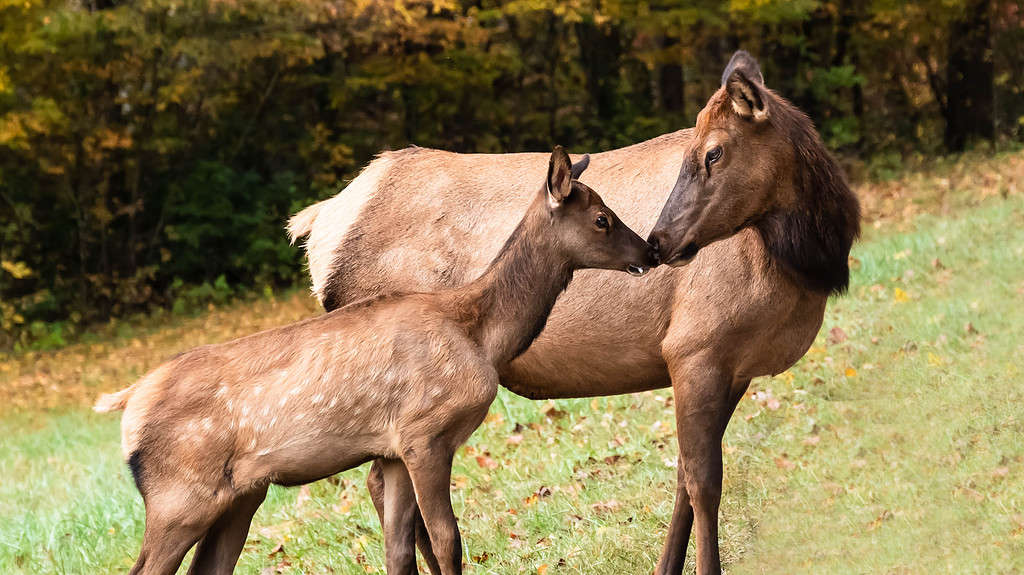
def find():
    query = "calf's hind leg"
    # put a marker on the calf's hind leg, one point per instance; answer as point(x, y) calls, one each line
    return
point(219, 549)
point(172, 528)
point(375, 485)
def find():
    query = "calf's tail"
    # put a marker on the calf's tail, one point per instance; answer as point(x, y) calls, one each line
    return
point(114, 401)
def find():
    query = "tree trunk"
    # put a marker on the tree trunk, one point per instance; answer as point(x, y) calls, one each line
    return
point(600, 59)
point(969, 84)
point(671, 85)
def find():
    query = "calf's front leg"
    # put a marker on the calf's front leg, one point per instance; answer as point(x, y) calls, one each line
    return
point(431, 470)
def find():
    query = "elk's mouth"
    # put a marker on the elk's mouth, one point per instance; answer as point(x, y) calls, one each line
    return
point(636, 271)
point(685, 255)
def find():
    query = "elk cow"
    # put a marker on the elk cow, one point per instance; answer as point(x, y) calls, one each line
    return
point(760, 214)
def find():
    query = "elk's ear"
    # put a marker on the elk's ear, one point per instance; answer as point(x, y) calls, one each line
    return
point(559, 182)
point(578, 167)
point(742, 60)
point(747, 97)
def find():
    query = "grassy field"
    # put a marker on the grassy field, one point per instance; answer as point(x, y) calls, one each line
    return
point(894, 446)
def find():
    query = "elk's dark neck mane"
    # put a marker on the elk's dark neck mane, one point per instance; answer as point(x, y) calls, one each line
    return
point(812, 238)
point(513, 298)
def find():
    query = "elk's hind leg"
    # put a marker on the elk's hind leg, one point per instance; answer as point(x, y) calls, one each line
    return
point(375, 484)
point(173, 525)
point(219, 549)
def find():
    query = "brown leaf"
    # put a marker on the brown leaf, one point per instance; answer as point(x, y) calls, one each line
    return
point(883, 516)
point(606, 506)
point(783, 463)
point(486, 461)
point(836, 335)
point(303, 496)
point(554, 413)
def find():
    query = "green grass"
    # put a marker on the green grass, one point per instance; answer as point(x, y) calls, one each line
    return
point(896, 450)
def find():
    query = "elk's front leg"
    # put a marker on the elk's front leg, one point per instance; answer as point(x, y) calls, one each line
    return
point(673, 555)
point(375, 485)
point(705, 397)
point(398, 515)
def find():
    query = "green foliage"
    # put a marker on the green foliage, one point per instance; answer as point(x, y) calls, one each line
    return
point(150, 147)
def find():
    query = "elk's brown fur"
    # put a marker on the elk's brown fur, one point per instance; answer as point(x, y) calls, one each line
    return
point(770, 230)
point(404, 379)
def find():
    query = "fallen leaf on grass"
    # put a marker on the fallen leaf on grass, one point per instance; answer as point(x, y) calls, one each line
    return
point(783, 463)
point(882, 517)
point(606, 506)
point(303, 496)
point(486, 461)
point(836, 335)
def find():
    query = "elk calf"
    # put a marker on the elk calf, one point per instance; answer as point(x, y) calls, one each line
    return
point(404, 379)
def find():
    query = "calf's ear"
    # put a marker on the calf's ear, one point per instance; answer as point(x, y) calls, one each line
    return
point(578, 167)
point(559, 182)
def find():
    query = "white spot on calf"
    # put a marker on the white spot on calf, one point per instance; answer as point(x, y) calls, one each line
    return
point(318, 398)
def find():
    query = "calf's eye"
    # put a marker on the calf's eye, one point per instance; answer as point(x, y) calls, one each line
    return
point(601, 222)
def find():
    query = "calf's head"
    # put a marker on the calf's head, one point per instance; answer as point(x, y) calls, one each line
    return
point(590, 233)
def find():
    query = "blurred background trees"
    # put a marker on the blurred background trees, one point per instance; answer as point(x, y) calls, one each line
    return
point(150, 151)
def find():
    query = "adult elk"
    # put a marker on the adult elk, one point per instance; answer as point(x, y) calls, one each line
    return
point(760, 212)
point(403, 378)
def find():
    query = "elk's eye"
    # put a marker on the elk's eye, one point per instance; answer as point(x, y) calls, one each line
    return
point(713, 155)
point(601, 222)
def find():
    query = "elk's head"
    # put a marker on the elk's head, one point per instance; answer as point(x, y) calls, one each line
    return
point(737, 168)
point(589, 232)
